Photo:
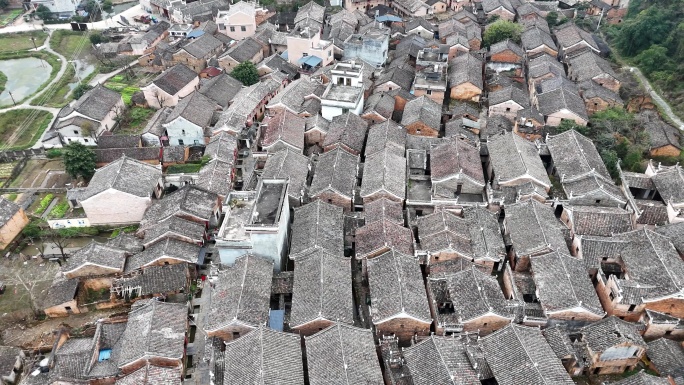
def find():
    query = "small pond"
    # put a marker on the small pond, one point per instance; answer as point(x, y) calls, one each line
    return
point(24, 77)
point(118, 8)
point(83, 69)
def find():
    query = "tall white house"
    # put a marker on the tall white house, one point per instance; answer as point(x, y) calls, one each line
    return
point(345, 90)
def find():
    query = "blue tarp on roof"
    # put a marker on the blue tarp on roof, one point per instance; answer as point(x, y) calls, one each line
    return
point(311, 61)
point(276, 319)
point(385, 18)
point(284, 55)
point(104, 355)
point(196, 33)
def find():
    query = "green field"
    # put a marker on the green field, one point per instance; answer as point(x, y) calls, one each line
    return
point(21, 41)
point(63, 94)
point(124, 86)
point(11, 120)
point(9, 16)
point(72, 45)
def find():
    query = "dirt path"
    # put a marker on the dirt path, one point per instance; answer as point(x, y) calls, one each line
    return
point(665, 108)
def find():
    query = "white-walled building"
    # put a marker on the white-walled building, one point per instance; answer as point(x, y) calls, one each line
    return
point(344, 93)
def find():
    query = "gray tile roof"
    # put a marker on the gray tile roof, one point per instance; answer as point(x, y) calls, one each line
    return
point(456, 159)
point(574, 155)
point(643, 378)
point(296, 95)
point(222, 146)
point(521, 355)
point(189, 202)
point(511, 93)
point(343, 354)
point(216, 176)
point(422, 109)
point(153, 375)
point(61, 291)
point(195, 108)
point(485, 234)
point(125, 175)
point(154, 329)
point(322, 289)
point(125, 242)
point(241, 294)
point(443, 231)
point(97, 103)
point(174, 227)
point(244, 103)
point(543, 65)
point(666, 355)
point(244, 50)
point(474, 294)
point(317, 226)
point(221, 89)
point(335, 171)
point(570, 34)
point(675, 232)
point(387, 134)
point(203, 46)
point(384, 209)
point(277, 64)
point(174, 79)
point(156, 279)
point(317, 122)
point(565, 96)
point(440, 360)
point(592, 185)
point(563, 284)
point(670, 184)
point(118, 141)
point(290, 165)
point(166, 249)
point(348, 130)
point(264, 356)
point(400, 76)
point(491, 5)
point(506, 45)
point(380, 103)
point(514, 157)
point(97, 254)
point(534, 229)
point(587, 66)
point(560, 342)
point(71, 360)
point(651, 260)
point(378, 235)
point(594, 249)
point(311, 11)
point(609, 332)
point(109, 155)
point(599, 221)
point(396, 288)
point(8, 209)
point(465, 69)
point(536, 37)
point(384, 171)
point(284, 127)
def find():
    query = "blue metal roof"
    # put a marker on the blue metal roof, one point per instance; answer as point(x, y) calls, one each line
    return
point(284, 55)
point(195, 33)
point(105, 354)
point(311, 61)
point(385, 18)
point(276, 319)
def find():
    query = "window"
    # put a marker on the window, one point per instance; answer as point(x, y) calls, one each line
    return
point(86, 140)
point(631, 307)
point(183, 132)
point(75, 132)
point(180, 142)
point(598, 201)
point(67, 308)
point(243, 28)
point(232, 29)
point(236, 334)
point(429, 92)
point(305, 54)
point(508, 109)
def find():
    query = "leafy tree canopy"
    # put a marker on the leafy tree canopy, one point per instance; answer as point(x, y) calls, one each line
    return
point(246, 72)
point(501, 30)
point(79, 161)
point(43, 12)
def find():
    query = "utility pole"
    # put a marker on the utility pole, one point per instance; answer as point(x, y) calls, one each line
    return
point(33, 39)
point(12, 96)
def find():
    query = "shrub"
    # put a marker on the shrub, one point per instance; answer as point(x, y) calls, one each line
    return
point(59, 210)
point(53, 153)
point(44, 203)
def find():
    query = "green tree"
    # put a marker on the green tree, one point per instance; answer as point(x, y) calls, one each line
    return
point(567, 125)
point(93, 8)
point(552, 18)
point(43, 12)
point(246, 72)
point(107, 5)
point(653, 59)
point(501, 30)
point(81, 89)
point(79, 161)
point(4, 4)
point(96, 38)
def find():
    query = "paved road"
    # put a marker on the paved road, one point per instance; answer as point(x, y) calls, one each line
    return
point(664, 107)
point(98, 25)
